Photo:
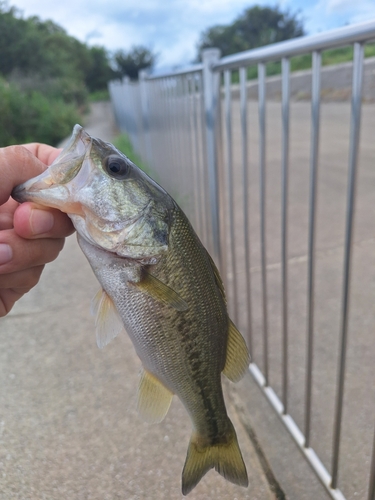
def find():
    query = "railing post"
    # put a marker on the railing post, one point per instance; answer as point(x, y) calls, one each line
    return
point(211, 96)
point(145, 109)
point(125, 112)
point(356, 107)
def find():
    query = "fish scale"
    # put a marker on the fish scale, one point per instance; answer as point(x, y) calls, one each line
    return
point(151, 324)
point(158, 282)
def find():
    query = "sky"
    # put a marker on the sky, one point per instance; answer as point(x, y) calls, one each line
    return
point(172, 28)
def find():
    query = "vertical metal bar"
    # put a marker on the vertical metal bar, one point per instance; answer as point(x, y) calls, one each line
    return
point(245, 182)
point(195, 103)
point(190, 165)
point(176, 125)
point(143, 86)
point(180, 127)
point(211, 89)
point(371, 489)
point(194, 152)
point(228, 129)
point(171, 146)
point(262, 173)
point(203, 190)
point(204, 162)
point(162, 128)
point(184, 132)
point(353, 157)
point(284, 223)
point(160, 123)
point(315, 119)
point(150, 91)
point(171, 82)
point(127, 112)
point(140, 114)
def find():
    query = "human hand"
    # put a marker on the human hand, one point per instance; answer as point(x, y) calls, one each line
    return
point(30, 235)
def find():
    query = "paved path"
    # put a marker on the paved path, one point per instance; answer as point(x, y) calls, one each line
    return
point(68, 425)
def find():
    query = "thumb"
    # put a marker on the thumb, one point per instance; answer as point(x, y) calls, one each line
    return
point(17, 165)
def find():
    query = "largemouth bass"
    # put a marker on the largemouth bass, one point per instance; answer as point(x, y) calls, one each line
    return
point(161, 284)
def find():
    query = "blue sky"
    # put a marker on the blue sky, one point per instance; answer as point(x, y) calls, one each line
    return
point(172, 28)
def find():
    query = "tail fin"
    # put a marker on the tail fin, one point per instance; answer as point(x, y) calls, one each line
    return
point(225, 457)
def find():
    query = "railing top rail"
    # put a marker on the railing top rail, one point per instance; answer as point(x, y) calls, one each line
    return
point(329, 39)
point(195, 68)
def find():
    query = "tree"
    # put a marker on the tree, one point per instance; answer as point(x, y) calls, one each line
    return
point(257, 26)
point(100, 72)
point(45, 77)
point(131, 62)
point(43, 50)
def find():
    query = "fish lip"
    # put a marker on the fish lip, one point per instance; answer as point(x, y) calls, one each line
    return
point(78, 134)
point(41, 194)
point(29, 189)
point(18, 192)
point(45, 186)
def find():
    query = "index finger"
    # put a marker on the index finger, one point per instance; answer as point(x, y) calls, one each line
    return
point(17, 165)
point(44, 153)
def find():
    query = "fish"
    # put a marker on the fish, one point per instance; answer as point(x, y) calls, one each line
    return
point(160, 283)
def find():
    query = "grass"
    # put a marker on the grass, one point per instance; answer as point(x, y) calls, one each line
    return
point(123, 143)
point(299, 63)
point(99, 95)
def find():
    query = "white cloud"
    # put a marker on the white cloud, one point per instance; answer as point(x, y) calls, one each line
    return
point(354, 9)
point(172, 27)
point(333, 5)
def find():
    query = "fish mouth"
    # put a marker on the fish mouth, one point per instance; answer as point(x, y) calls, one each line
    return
point(49, 188)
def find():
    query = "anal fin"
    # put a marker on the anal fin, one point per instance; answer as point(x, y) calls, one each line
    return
point(154, 399)
point(238, 358)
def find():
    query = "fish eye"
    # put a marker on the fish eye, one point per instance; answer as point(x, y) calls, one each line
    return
point(117, 167)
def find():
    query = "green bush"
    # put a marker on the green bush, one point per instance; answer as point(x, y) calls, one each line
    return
point(33, 117)
point(70, 90)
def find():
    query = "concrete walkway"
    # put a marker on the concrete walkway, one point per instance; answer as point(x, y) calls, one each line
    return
point(68, 424)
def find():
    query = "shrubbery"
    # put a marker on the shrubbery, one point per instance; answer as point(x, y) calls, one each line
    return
point(45, 78)
point(31, 116)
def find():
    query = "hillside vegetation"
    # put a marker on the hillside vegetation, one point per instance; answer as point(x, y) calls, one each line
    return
point(46, 77)
point(299, 63)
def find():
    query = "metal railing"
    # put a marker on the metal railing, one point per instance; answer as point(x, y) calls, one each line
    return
point(196, 130)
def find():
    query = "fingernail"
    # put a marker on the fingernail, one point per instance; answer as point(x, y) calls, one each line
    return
point(6, 253)
point(41, 221)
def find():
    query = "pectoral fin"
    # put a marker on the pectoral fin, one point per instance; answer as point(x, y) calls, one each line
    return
point(161, 292)
point(154, 399)
point(108, 323)
point(238, 357)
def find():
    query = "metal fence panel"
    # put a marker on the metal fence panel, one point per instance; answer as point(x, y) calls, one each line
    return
point(246, 173)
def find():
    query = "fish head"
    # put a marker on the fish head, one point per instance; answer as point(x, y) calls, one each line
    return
point(113, 204)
